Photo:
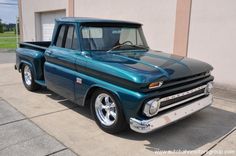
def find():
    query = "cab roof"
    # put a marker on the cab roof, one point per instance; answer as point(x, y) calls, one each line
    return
point(94, 20)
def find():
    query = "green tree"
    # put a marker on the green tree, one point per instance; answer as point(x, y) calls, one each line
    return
point(1, 26)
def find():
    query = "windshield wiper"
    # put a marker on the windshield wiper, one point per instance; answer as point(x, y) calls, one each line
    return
point(139, 46)
point(121, 45)
point(115, 47)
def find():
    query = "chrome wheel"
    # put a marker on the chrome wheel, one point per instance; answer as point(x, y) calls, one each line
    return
point(27, 75)
point(106, 109)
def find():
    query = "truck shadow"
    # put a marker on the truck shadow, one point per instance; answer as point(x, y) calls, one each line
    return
point(85, 111)
point(191, 133)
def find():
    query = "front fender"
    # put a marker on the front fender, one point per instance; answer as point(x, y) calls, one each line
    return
point(130, 100)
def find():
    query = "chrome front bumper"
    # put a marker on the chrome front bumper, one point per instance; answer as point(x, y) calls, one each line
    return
point(145, 126)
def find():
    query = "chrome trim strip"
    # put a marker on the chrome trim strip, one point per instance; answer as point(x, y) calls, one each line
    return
point(180, 95)
point(145, 126)
point(180, 102)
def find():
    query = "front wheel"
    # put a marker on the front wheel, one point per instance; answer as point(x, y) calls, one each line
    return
point(28, 78)
point(107, 112)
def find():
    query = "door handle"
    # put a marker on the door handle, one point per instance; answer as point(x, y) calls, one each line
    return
point(49, 52)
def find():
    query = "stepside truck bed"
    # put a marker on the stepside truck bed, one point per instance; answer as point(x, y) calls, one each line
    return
point(32, 54)
point(40, 45)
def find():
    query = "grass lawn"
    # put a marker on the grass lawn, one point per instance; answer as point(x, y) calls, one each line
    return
point(8, 40)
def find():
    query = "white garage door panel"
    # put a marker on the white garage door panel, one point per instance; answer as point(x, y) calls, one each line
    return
point(47, 30)
point(47, 23)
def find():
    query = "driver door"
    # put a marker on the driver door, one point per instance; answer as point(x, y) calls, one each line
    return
point(59, 68)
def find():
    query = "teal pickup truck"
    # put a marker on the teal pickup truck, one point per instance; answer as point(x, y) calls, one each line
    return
point(108, 65)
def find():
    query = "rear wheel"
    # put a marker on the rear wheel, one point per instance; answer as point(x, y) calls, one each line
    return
point(28, 78)
point(107, 112)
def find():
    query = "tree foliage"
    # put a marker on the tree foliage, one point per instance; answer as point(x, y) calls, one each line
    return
point(1, 26)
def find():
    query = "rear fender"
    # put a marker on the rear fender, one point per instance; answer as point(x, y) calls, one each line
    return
point(35, 59)
point(22, 62)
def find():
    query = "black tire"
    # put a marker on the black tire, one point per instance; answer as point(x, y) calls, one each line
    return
point(32, 86)
point(119, 124)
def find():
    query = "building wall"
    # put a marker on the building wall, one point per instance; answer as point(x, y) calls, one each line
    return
point(30, 10)
point(212, 38)
point(157, 16)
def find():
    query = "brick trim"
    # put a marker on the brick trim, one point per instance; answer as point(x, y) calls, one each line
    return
point(182, 25)
point(71, 8)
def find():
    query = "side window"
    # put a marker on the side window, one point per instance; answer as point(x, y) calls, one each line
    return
point(75, 41)
point(67, 37)
point(60, 37)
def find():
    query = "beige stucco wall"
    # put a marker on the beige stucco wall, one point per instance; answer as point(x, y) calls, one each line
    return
point(158, 17)
point(213, 37)
point(29, 7)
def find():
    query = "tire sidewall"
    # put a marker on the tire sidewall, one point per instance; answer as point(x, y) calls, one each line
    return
point(33, 86)
point(120, 123)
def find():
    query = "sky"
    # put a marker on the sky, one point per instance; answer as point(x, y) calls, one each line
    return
point(8, 13)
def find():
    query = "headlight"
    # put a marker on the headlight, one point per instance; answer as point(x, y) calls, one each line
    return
point(151, 107)
point(208, 73)
point(209, 87)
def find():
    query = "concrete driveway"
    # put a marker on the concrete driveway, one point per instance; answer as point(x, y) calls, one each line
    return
point(44, 123)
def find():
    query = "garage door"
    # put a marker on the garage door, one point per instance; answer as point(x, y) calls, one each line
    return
point(47, 23)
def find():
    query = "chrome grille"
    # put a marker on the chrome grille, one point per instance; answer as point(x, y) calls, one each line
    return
point(180, 98)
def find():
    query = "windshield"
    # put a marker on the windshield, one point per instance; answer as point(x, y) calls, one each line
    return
point(111, 38)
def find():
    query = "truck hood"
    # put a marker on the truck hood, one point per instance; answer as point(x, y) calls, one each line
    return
point(147, 66)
